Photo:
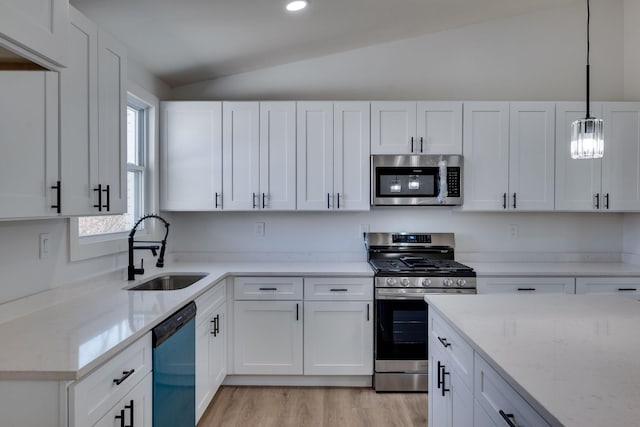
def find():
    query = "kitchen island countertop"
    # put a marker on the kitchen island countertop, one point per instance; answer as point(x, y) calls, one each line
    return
point(574, 358)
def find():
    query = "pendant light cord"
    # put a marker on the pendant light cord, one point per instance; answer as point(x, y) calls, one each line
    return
point(588, 62)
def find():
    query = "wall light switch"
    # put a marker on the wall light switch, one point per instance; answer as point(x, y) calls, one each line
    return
point(45, 245)
point(260, 229)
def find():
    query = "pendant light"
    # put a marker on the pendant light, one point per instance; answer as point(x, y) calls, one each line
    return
point(296, 5)
point(587, 140)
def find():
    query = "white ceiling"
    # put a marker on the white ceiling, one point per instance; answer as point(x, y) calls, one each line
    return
point(186, 41)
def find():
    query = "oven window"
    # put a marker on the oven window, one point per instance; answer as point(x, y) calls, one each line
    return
point(407, 182)
point(401, 330)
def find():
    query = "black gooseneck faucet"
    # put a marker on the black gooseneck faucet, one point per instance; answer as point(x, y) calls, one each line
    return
point(132, 270)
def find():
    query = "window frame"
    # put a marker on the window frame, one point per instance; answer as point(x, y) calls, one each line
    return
point(87, 247)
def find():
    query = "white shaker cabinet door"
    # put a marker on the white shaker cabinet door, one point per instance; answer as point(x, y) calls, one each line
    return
point(277, 155)
point(268, 337)
point(486, 155)
point(241, 155)
point(531, 156)
point(621, 161)
point(315, 156)
point(191, 155)
point(393, 127)
point(578, 182)
point(28, 143)
point(439, 128)
point(351, 146)
point(338, 338)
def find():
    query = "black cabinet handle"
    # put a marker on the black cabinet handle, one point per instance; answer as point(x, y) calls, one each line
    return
point(339, 290)
point(217, 195)
point(253, 199)
point(268, 289)
point(421, 144)
point(504, 200)
point(58, 205)
point(440, 366)
point(527, 289)
point(597, 196)
point(121, 418)
point(507, 418)
point(514, 200)
point(338, 194)
point(108, 191)
point(606, 201)
point(627, 289)
point(444, 342)
point(444, 389)
point(328, 196)
point(99, 190)
point(125, 375)
point(130, 408)
point(297, 312)
point(263, 204)
point(368, 313)
point(412, 144)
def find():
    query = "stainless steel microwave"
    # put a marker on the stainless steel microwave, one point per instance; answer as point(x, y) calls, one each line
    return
point(416, 180)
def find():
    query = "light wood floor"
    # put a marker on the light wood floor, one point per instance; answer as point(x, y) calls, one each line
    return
point(314, 406)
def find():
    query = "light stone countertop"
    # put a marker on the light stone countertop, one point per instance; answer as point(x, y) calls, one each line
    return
point(66, 333)
point(571, 269)
point(574, 358)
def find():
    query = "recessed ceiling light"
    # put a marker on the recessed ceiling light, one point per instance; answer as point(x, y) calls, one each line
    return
point(296, 5)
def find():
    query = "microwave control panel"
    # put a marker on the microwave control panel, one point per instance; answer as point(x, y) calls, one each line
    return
point(453, 181)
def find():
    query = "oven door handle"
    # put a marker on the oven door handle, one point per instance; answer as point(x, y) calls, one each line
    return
point(394, 295)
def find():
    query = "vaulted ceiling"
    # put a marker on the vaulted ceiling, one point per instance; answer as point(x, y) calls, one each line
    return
point(187, 41)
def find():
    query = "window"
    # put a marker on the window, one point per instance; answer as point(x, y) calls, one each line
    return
point(103, 235)
point(137, 125)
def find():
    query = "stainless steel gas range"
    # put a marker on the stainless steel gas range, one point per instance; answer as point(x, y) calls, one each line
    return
point(407, 266)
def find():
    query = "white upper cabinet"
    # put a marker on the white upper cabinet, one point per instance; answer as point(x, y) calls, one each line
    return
point(36, 29)
point(28, 143)
point(578, 182)
point(191, 155)
point(610, 183)
point(621, 161)
point(333, 156)
point(93, 122)
point(277, 155)
point(531, 156)
point(486, 155)
point(509, 156)
point(241, 155)
point(402, 127)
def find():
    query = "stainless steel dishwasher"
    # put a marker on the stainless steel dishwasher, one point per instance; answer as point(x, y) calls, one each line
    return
point(174, 370)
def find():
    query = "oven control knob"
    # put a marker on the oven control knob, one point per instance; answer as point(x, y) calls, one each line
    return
point(404, 282)
point(391, 281)
point(426, 282)
point(447, 282)
point(461, 282)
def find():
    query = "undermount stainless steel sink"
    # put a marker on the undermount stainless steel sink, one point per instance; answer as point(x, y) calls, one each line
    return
point(169, 282)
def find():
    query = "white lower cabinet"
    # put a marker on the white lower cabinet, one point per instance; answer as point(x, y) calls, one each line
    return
point(338, 338)
point(624, 286)
point(526, 285)
point(268, 337)
point(110, 390)
point(211, 347)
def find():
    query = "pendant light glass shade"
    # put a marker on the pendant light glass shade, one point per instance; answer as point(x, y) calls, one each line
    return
point(587, 141)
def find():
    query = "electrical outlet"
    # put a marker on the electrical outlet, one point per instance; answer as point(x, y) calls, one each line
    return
point(45, 245)
point(260, 229)
point(513, 231)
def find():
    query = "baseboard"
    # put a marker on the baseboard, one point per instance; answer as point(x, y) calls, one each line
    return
point(300, 380)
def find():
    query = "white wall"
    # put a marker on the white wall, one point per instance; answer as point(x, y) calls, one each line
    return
point(537, 56)
point(479, 236)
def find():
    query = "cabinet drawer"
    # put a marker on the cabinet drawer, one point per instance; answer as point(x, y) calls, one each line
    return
point(444, 339)
point(93, 396)
point(526, 285)
point(338, 289)
point(623, 286)
point(211, 299)
point(268, 288)
point(497, 397)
